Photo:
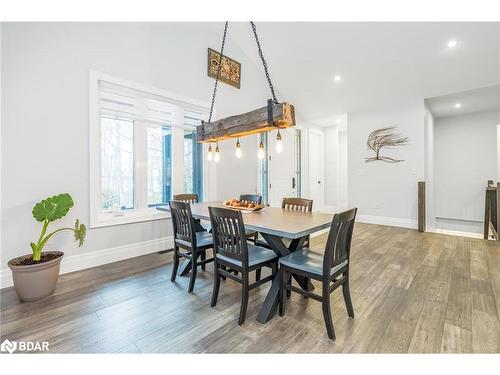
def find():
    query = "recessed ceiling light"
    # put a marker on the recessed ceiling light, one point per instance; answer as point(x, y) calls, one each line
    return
point(338, 121)
point(458, 105)
point(452, 43)
point(337, 78)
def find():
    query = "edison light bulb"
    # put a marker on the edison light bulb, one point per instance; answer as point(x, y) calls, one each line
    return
point(279, 143)
point(238, 149)
point(217, 154)
point(210, 154)
point(260, 154)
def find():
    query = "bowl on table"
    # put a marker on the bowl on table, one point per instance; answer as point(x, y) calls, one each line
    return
point(243, 206)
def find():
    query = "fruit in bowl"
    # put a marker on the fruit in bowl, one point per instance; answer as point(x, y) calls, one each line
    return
point(245, 205)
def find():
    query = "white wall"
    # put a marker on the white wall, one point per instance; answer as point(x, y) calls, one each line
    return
point(386, 192)
point(465, 158)
point(430, 217)
point(331, 166)
point(336, 166)
point(237, 176)
point(306, 128)
point(498, 152)
point(45, 115)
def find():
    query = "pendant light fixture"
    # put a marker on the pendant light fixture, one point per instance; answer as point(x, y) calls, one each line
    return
point(279, 143)
point(261, 153)
point(274, 116)
point(217, 153)
point(238, 149)
point(210, 154)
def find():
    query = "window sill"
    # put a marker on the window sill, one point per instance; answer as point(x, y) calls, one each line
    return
point(112, 219)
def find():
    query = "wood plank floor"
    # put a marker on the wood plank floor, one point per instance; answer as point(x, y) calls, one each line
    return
point(412, 292)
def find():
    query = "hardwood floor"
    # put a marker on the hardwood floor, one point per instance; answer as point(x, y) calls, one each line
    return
point(412, 292)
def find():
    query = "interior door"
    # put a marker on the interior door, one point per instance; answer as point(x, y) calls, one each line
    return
point(282, 167)
point(316, 183)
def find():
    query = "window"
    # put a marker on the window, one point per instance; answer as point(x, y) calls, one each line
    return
point(193, 176)
point(142, 144)
point(159, 165)
point(264, 169)
point(117, 170)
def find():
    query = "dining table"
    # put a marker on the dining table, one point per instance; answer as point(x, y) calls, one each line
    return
point(283, 230)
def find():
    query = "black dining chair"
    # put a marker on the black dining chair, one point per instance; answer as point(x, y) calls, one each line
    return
point(232, 252)
point(192, 198)
point(251, 198)
point(331, 268)
point(186, 198)
point(298, 204)
point(194, 244)
point(293, 204)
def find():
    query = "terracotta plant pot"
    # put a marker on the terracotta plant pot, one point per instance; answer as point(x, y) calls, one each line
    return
point(35, 281)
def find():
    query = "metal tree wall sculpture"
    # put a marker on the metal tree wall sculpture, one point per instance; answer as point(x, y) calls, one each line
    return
point(385, 137)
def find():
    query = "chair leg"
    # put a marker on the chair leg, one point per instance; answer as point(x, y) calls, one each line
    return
point(282, 299)
point(224, 268)
point(176, 265)
point(274, 268)
point(194, 269)
point(289, 283)
point(327, 312)
point(203, 257)
point(258, 273)
point(215, 291)
point(347, 296)
point(244, 297)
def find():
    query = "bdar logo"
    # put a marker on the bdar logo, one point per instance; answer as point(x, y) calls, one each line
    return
point(8, 346)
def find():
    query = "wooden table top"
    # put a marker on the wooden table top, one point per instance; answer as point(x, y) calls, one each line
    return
point(271, 220)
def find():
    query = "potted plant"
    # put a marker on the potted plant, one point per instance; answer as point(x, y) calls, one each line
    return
point(35, 275)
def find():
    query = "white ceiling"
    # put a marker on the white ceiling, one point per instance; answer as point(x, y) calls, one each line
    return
point(479, 100)
point(381, 64)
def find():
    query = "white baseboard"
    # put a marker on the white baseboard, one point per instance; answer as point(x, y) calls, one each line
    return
point(96, 258)
point(456, 233)
point(391, 221)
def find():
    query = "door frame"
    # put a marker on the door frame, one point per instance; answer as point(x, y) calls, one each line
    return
point(270, 165)
point(303, 162)
point(318, 203)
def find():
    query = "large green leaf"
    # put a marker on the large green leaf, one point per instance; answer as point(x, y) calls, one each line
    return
point(80, 232)
point(53, 208)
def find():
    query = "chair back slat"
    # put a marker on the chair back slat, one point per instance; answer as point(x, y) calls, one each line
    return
point(182, 222)
point(338, 244)
point(186, 198)
point(251, 198)
point(297, 204)
point(229, 234)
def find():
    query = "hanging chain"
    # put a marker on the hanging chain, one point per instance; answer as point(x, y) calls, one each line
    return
point(275, 101)
point(218, 73)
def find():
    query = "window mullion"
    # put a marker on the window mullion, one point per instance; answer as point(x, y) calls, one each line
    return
point(141, 165)
point(178, 151)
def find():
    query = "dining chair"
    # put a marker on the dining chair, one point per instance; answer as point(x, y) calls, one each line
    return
point(194, 244)
point(331, 268)
point(251, 198)
point(232, 252)
point(298, 204)
point(191, 198)
point(293, 204)
point(186, 198)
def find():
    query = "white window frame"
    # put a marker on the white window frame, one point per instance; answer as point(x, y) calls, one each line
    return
point(138, 214)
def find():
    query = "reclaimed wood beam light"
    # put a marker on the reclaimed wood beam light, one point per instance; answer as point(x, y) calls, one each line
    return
point(247, 123)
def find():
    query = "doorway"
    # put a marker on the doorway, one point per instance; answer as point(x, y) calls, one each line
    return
point(283, 168)
point(316, 168)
